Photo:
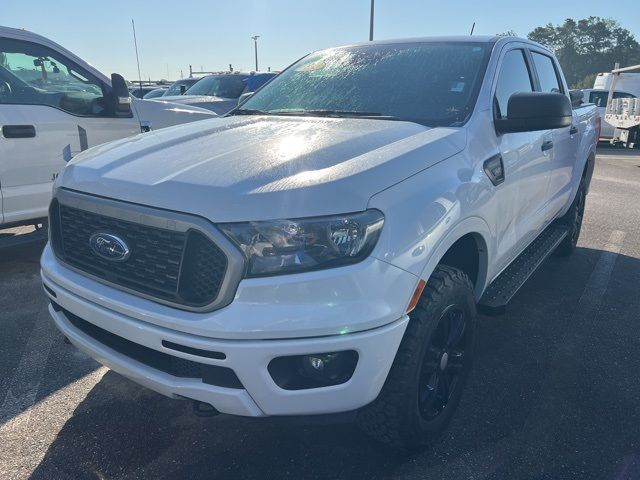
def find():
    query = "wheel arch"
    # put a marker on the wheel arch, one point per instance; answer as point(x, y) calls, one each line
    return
point(467, 248)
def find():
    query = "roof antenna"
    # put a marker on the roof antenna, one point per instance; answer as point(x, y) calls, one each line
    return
point(135, 42)
point(472, 28)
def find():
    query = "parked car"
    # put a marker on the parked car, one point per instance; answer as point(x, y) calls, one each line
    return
point(155, 93)
point(324, 247)
point(52, 106)
point(255, 82)
point(218, 92)
point(180, 87)
point(140, 92)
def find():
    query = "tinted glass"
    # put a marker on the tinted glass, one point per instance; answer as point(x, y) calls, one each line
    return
point(546, 73)
point(174, 89)
point(514, 78)
point(430, 83)
point(600, 98)
point(36, 75)
point(226, 86)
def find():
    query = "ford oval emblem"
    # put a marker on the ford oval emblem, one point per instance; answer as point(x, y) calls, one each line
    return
point(109, 247)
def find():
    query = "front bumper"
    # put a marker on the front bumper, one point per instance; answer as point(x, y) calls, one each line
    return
point(248, 358)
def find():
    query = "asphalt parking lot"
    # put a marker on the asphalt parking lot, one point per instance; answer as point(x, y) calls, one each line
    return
point(555, 391)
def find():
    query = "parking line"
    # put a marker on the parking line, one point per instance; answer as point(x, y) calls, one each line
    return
point(26, 379)
point(539, 428)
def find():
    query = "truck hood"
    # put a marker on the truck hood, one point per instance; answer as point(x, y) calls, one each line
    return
point(261, 167)
point(193, 99)
point(166, 114)
point(219, 105)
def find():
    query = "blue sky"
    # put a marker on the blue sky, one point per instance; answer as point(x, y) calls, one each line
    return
point(214, 33)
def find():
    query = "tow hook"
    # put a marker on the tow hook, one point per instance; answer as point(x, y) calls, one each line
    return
point(202, 409)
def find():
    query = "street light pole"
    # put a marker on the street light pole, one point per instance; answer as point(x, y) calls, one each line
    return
point(255, 44)
point(371, 22)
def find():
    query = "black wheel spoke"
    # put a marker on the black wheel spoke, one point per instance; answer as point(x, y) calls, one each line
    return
point(444, 389)
point(443, 363)
point(457, 332)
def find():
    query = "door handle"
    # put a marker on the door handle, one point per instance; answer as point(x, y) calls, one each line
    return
point(548, 145)
point(18, 131)
point(573, 130)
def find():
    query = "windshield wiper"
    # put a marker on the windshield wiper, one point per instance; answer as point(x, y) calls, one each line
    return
point(248, 111)
point(336, 114)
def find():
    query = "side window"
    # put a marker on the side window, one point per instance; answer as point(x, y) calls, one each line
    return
point(599, 98)
point(513, 78)
point(547, 74)
point(31, 74)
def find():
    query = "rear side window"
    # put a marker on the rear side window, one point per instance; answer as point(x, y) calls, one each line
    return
point(547, 74)
point(514, 77)
point(600, 98)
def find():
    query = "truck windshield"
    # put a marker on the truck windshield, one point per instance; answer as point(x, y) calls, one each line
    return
point(227, 86)
point(431, 83)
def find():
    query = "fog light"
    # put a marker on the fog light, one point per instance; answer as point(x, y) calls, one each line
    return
point(314, 370)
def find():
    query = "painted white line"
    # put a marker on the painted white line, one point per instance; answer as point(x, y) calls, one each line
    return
point(537, 435)
point(616, 180)
point(25, 438)
point(618, 157)
point(24, 385)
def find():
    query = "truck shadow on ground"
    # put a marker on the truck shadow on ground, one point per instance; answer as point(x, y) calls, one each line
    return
point(121, 430)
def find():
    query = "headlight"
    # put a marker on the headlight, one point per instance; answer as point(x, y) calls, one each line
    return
point(288, 246)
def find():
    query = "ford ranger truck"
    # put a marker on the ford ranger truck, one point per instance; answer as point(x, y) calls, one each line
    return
point(324, 247)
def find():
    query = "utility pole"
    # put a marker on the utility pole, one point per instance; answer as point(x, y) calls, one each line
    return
point(371, 21)
point(255, 46)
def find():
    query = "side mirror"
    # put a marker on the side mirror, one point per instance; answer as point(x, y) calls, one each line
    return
point(121, 96)
point(533, 111)
point(244, 96)
point(183, 89)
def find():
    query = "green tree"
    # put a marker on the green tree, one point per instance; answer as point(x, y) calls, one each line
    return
point(588, 46)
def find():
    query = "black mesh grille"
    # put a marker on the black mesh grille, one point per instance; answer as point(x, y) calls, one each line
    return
point(159, 264)
point(175, 366)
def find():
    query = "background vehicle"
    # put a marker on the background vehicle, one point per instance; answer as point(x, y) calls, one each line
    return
point(254, 82)
point(155, 93)
point(218, 92)
point(139, 92)
point(323, 248)
point(180, 87)
point(599, 99)
point(52, 106)
point(623, 112)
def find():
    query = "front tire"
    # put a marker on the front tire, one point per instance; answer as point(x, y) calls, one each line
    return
point(431, 367)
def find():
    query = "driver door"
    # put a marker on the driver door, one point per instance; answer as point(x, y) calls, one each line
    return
point(50, 109)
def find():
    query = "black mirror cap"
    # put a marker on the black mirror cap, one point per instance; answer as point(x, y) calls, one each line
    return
point(533, 111)
point(121, 96)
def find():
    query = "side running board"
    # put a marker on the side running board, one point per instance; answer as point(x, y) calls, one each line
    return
point(503, 288)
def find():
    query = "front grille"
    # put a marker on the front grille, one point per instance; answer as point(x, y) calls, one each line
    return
point(175, 366)
point(184, 268)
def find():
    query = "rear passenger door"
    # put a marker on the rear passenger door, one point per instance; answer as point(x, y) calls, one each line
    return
point(526, 159)
point(565, 140)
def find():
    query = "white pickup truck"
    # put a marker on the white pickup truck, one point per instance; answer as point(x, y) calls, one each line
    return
point(324, 247)
point(54, 105)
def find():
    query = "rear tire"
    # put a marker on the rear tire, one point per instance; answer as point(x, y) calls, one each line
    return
point(431, 367)
point(573, 220)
